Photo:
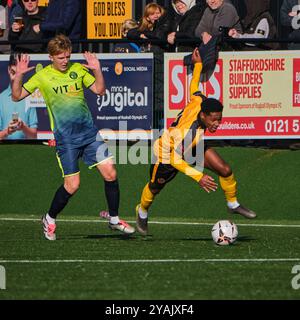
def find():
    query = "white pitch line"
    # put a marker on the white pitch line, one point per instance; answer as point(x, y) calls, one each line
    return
point(154, 260)
point(162, 222)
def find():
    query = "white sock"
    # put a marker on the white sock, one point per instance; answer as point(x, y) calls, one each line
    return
point(143, 214)
point(49, 219)
point(233, 205)
point(114, 220)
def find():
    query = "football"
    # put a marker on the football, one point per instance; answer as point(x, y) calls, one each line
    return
point(224, 232)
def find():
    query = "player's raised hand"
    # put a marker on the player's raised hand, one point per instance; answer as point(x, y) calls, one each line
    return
point(196, 56)
point(208, 183)
point(22, 64)
point(92, 61)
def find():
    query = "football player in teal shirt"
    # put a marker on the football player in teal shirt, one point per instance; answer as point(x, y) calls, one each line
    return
point(61, 84)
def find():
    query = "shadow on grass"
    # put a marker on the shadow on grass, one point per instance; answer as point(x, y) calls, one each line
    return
point(111, 236)
point(245, 238)
point(97, 236)
point(149, 237)
point(209, 239)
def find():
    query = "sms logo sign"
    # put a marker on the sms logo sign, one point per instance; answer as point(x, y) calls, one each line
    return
point(179, 80)
point(213, 87)
point(177, 85)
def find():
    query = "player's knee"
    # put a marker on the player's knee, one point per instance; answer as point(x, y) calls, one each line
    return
point(72, 186)
point(225, 171)
point(154, 190)
point(110, 175)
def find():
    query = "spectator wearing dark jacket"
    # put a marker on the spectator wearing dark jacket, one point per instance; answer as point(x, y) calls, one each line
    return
point(130, 47)
point(258, 23)
point(289, 18)
point(32, 15)
point(183, 22)
point(63, 16)
point(152, 26)
point(286, 12)
point(16, 10)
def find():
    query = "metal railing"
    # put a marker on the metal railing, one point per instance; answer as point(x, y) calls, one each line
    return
point(158, 88)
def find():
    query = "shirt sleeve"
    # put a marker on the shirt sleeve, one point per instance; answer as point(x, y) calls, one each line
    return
point(203, 24)
point(262, 30)
point(182, 166)
point(194, 86)
point(32, 84)
point(176, 156)
point(88, 79)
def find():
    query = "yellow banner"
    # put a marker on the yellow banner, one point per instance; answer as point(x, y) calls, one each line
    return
point(43, 3)
point(105, 18)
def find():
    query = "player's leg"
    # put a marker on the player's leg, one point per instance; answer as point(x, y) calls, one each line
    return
point(68, 162)
point(160, 175)
point(97, 155)
point(148, 194)
point(214, 162)
point(63, 194)
point(112, 192)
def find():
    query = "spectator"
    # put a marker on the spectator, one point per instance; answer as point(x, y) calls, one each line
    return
point(4, 26)
point(127, 47)
point(24, 122)
point(258, 23)
point(218, 15)
point(3, 19)
point(289, 17)
point(16, 9)
point(152, 26)
point(23, 31)
point(183, 22)
point(63, 17)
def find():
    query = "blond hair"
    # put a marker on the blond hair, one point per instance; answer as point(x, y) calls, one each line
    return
point(127, 25)
point(150, 9)
point(59, 44)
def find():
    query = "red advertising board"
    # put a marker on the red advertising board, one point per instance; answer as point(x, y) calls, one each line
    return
point(260, 92)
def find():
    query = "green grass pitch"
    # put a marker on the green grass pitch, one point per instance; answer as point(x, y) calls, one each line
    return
point(177, 261)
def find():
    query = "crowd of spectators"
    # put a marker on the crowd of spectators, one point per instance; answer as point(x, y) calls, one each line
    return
point(226, 19)
point(24, 21)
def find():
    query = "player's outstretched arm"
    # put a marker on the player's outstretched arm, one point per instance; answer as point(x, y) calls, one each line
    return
point(22, 67)
point(94, 64)
point(194, 86)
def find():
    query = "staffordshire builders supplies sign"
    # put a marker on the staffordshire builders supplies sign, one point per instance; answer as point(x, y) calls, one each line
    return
point(260, 92)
